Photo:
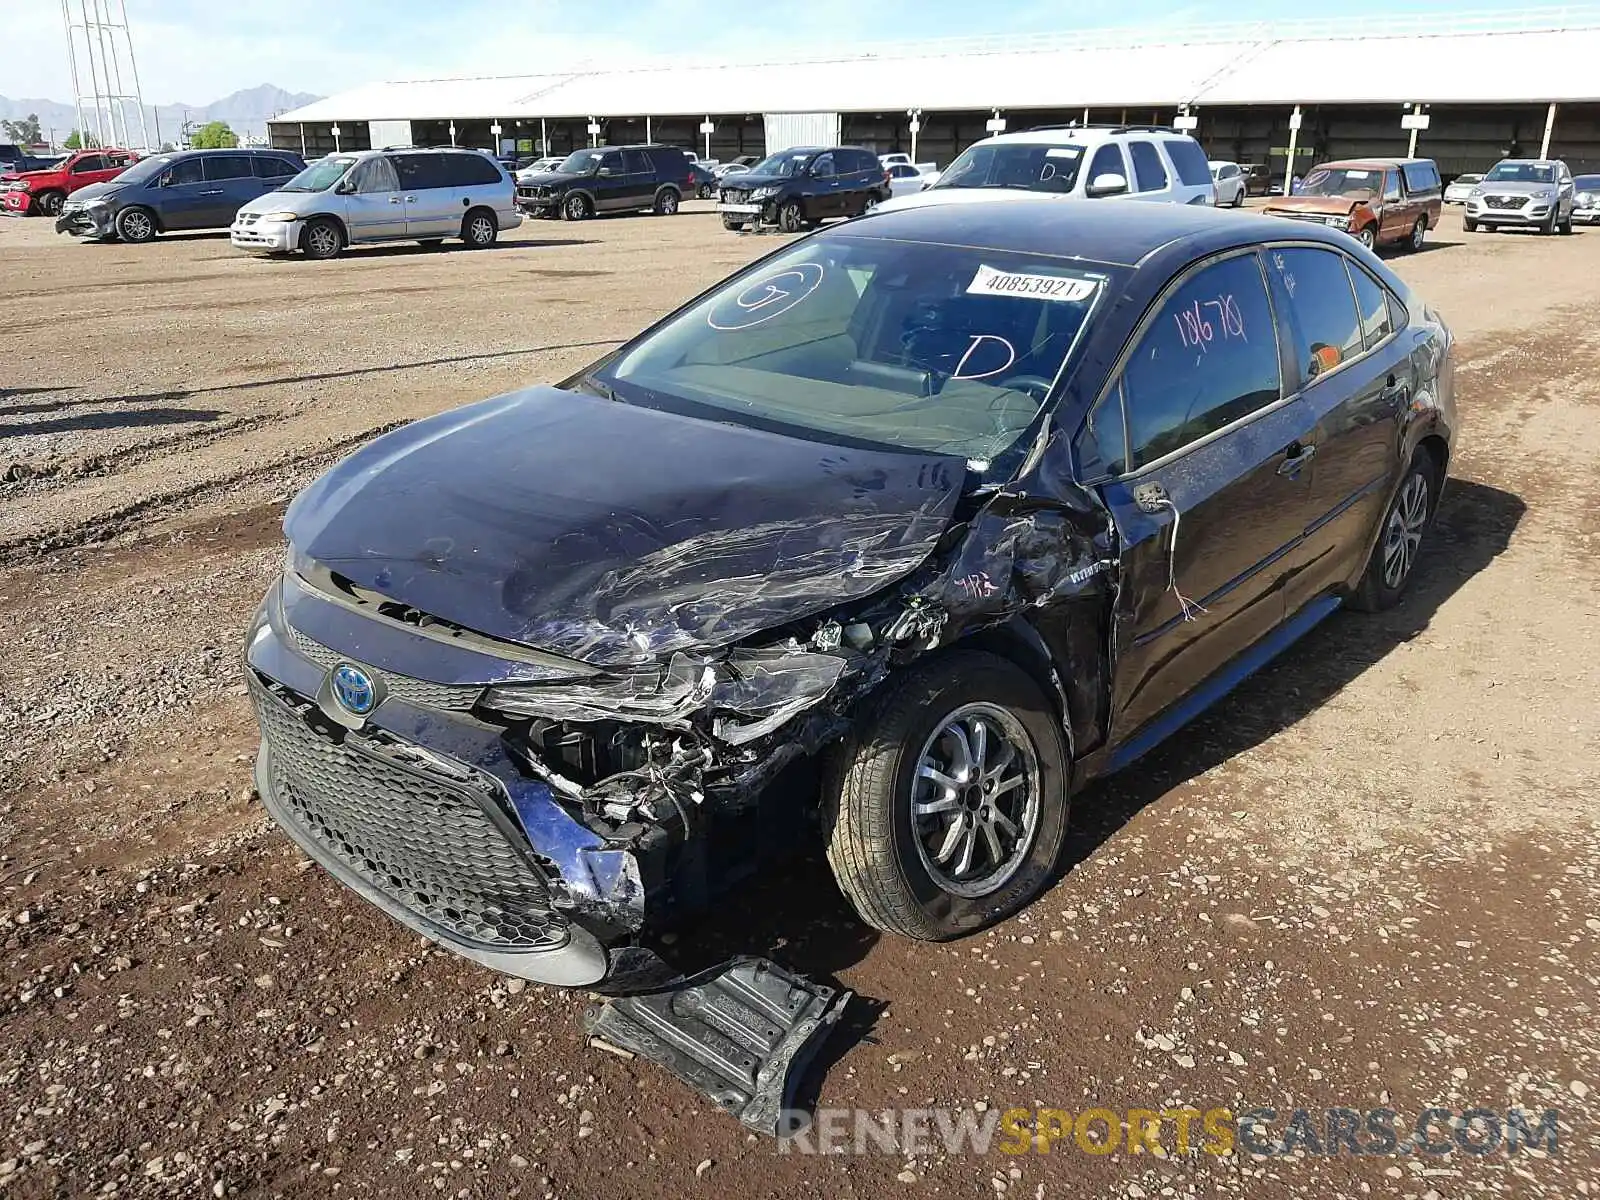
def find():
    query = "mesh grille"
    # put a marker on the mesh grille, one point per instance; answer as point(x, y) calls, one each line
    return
point(1505, 201)
point(454, 697)
point(423, 841)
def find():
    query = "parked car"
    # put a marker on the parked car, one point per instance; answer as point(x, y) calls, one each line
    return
point(1230, 181)
point(1586, 199)
point(11, 154)
point(43, 192)
point(1377, 201)
point(382, 196)
point(539, 166)
point(737, 165)
point(802, 186)
point(705, 181)
point(1460, 188)
point(1523, 193)
point(1136, 162)
point(190, 189)
point(904, 573)
point(1257, 179)
point(905, 179)
point(651, 178)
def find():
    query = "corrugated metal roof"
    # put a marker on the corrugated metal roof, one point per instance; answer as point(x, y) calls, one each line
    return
point(1534, 55)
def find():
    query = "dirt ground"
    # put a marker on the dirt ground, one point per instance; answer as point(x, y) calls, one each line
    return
point(1370, 879)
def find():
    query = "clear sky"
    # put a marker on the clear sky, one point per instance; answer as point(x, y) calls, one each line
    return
point(196, 51)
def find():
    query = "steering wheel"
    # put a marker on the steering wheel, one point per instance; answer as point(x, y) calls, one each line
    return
point(1035, 386)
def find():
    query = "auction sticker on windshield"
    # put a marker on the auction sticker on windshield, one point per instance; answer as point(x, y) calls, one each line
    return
point(991, 282)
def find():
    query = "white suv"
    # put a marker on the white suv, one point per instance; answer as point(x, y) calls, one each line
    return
point(1136, 162)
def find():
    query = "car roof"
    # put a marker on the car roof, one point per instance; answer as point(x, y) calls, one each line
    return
point(1055, 134)
point(1373, 163)
point(1094, 231)
point(1531, 162)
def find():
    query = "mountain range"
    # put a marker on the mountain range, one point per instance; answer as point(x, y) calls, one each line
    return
point(245, 112)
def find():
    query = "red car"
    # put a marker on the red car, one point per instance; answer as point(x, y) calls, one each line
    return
point(27, 193)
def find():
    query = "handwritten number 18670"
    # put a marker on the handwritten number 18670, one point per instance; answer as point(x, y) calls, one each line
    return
point(1205, 321)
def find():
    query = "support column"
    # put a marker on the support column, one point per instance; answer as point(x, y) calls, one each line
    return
point(302, 139)
point(647, 136)
point(1294, 136)
point(1549, 128)
point(915, 126)
point(706, 129)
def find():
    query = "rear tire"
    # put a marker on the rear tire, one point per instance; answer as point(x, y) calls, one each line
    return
point(136, 225)
point(479, 229)
point(1419, 233)
point(322, 238)
point(924, 848)
point(666, 204)
point(1407, 518)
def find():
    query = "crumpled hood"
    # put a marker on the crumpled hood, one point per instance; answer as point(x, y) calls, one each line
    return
point(96, 191)
point(1332, 206)
point(617, 534)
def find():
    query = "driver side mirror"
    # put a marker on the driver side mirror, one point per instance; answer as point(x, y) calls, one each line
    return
point(1109, 184)
point(605, 171)
point(344, 187)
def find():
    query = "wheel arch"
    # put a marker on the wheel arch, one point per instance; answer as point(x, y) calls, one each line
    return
point(1021, 644)
point(155, 215)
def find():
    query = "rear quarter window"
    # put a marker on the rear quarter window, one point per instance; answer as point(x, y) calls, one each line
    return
point(1188, 160)
point(469, 170)
point(1421, 177)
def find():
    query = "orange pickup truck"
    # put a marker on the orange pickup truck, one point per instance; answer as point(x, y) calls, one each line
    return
point(1377, 201)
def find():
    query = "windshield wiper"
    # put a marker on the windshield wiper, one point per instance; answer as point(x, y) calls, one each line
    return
point(605, 391)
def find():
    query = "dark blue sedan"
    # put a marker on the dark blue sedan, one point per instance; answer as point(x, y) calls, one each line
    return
point(889, 543)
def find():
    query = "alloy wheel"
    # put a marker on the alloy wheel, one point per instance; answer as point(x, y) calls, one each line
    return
point(975, 800)
point(137, 227)
point(323, 240)
point(1403, 532)
point(1419, 233)
point(482, 230)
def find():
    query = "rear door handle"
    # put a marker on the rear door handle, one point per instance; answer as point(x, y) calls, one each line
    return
point(1298, 456)
point(212, 192)
point(411, 199)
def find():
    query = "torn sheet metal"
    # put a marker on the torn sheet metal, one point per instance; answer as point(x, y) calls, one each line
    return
point(617, 534)
point(742, 1033)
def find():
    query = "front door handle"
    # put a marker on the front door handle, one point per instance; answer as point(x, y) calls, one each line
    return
point(212, 192)
point(1297, 457)
point(396, 200)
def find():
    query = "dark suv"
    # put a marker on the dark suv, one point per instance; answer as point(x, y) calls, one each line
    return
point(798, 187)
point(189, 189)
point(610, 179)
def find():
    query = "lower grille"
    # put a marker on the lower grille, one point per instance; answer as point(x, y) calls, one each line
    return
point(425, 842)
point(454, 697)
point(734, 197)
point(249, 218)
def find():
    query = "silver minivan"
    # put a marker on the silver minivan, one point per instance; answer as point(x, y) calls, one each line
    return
point(411, 195)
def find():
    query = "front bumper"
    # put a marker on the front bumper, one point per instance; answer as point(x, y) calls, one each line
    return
point(1532, 212)
point(1586, 216)
point(16, 203)
point(272, 237)
point(423, 812)
point(82, 220)
point(533, 205)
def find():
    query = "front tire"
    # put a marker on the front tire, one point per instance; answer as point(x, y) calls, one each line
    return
point(946, 809)
point(1407, 519)
point(136, 225)
point(791, 217)
point(577, 207)
point(1238, 198)
point(479, 229)
point(1367, 235)
point(1469, 225)
point(322, 239)
point(49, 204)
point(733, 224)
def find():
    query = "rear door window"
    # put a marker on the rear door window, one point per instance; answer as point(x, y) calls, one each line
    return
point(1421, 177)
point(1372, 306)
point(636, 162)
point(1313, 290)
point(1148, 173)
point(1208, 358)
point(1188, 160)
point(268, 166)
point(421, 171)
point(227, 166)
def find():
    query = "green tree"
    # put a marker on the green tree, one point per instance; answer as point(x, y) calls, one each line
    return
point(80, 141)
point(214, 135)
point(24, 132)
